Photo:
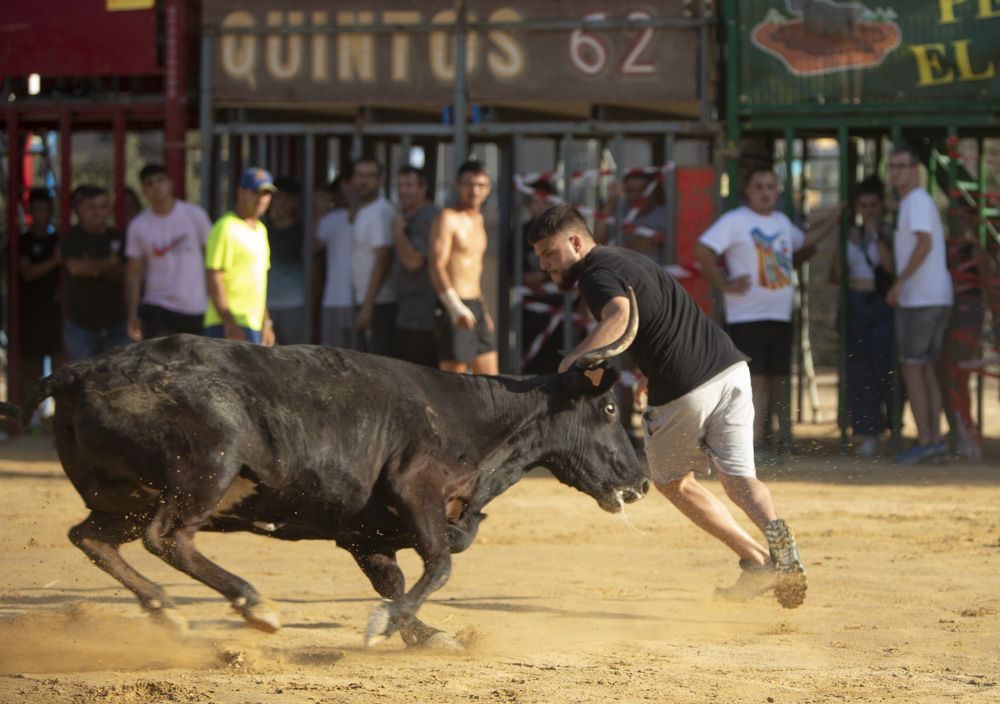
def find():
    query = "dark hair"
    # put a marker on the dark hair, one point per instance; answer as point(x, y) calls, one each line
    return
point(287, 185)
point(151, 170)
point(646, 178)
point(470, 167)
point(754, 170)
point(39, 195)
point(555, 220)
point(544, 185)
point(904, 148)
point(871, 186)
point(86, 192)
point(367, 160)
point(419, 173)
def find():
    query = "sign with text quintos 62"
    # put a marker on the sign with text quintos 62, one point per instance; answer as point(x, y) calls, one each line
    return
point(389, 65)
point(809, 51)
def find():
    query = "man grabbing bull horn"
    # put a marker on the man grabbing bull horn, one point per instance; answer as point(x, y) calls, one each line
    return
point(701, 406)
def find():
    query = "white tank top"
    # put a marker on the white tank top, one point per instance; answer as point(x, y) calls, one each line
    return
point(857, 265)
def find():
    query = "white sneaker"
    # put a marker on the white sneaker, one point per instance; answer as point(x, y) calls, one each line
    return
point(868, 447)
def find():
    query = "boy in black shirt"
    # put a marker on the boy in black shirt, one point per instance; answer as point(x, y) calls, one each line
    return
point(39, 269)
point(95, 301)
point(701, 405)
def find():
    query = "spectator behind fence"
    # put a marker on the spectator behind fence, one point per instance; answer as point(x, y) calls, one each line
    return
point(237, 258)
point(165, 262)
point(922, 295)
point(972, 270)
point(463, 325)
point(371, 259)
point(95, 302)
point(335, 235)
point(761, 247)
point(40, 336)
point(286, 279)
point(869, 318)
point(541, 348)
point(415, 295)
point(642, 196)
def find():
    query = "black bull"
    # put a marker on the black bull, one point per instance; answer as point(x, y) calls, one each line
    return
point(175, 435)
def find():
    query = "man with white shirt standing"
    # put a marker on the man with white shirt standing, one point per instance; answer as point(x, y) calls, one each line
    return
point(371, 260)
point(164, 250)
point(922, 295)
point(335, 235)
point(761, 247)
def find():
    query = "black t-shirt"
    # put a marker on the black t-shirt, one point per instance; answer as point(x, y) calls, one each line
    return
point(677, 347)
point(40, 331)
point(94, 304)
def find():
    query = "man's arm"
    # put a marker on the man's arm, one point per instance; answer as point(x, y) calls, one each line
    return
point(31, 271)
point(380, 272)
point(707, 259)
point(441, 240)
point(267, 334)
point(214, 280)
point(614, 320)
point(85, 268)
point(917, 258)
point(409, 256)
point(133, 289)
point(819, 231)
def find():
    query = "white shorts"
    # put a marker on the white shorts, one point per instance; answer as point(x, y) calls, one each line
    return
point(709, 425)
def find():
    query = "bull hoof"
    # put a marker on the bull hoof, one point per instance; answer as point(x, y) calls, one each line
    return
point(261, 616)
point(444, 642)
point(170, 618)
point(379, 625)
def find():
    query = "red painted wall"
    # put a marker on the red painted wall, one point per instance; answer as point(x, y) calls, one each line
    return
point(76, 38)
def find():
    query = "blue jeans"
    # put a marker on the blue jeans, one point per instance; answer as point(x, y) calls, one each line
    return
point(217, 331)
point(869, 362)
point(84, 343)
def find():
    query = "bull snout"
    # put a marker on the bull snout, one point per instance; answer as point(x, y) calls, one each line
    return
point(630, 496)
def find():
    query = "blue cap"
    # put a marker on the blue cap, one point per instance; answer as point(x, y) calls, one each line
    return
point(256, 179)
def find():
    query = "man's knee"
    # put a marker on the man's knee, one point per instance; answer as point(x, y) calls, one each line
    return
point(675, 489)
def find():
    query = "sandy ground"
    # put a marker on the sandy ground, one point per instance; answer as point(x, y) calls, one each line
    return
point(560, 601)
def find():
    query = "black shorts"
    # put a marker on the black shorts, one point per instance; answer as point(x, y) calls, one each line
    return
point(160, 322)
point(458, 344)
point(768, 344)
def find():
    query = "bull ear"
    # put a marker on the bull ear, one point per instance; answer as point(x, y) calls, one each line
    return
point(592, 382)
point(595, 375)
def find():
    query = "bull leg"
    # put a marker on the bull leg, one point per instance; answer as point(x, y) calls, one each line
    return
point(99, 537)
point(385, 575)
point(170, 536)
point(427, 521)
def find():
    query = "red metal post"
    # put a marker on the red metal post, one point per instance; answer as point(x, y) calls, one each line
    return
point(65, 169)
point(13, 228)
point(175, 89)
point(119, 174)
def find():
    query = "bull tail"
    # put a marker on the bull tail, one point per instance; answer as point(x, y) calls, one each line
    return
point(49, 386)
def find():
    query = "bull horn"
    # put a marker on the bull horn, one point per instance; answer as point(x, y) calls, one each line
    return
point(591, 359)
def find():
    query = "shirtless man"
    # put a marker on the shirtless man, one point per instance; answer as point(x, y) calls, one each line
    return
point(463, 326)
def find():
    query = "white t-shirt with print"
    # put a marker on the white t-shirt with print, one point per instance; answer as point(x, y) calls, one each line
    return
point(372, 228)
point(171, 248)
point(761, 247)
point(931, 284)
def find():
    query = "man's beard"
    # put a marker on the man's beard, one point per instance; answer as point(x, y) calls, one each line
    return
point(570, 276)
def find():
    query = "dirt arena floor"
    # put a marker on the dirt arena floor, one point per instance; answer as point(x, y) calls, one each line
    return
point(559, 602)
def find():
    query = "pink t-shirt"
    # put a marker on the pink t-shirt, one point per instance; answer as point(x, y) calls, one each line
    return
point(171, 247)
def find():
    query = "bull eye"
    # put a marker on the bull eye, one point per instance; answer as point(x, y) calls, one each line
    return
point(610, 409)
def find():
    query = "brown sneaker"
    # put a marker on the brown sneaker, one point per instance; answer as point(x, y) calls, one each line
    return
point(753, 581)
point(790, 585)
